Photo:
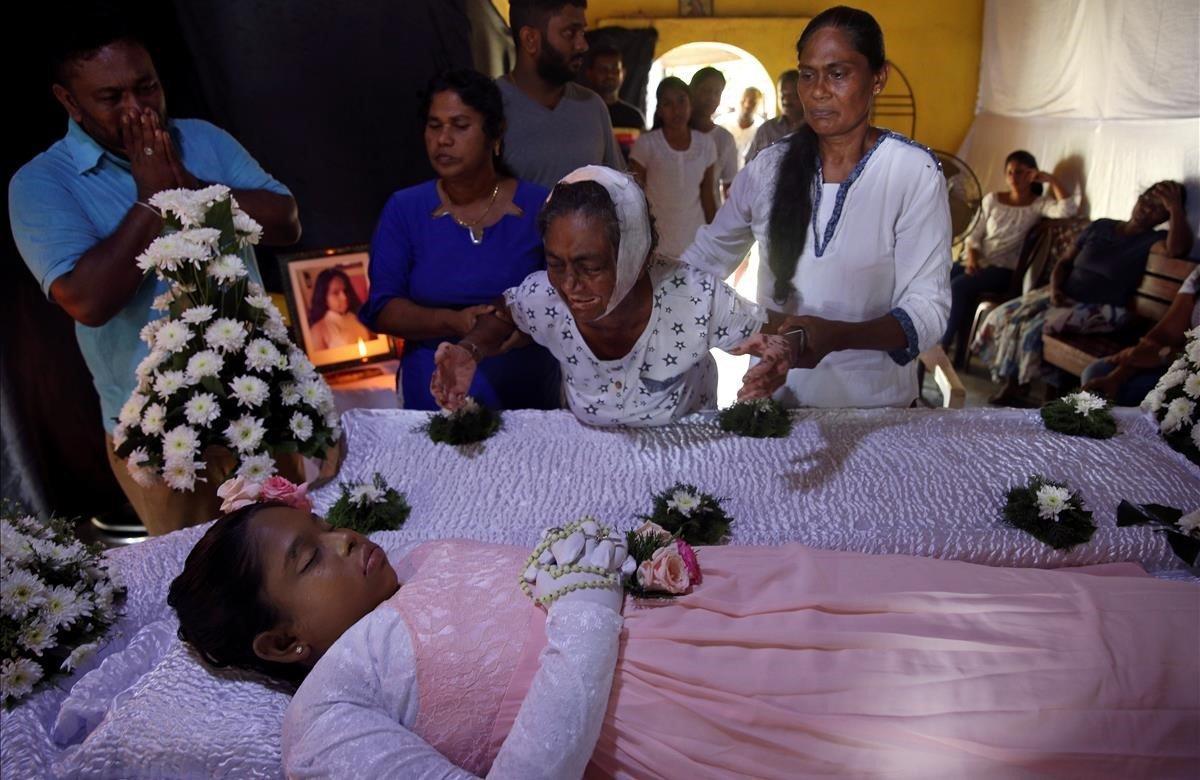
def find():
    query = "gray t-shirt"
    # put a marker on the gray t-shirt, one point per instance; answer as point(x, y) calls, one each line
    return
point(543, 145)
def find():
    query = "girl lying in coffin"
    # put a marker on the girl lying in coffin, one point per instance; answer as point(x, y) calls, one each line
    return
point(783, 662)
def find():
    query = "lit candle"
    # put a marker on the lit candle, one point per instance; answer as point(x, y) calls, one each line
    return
point(362, 350)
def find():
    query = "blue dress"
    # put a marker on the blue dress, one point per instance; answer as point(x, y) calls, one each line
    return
point(433, 263)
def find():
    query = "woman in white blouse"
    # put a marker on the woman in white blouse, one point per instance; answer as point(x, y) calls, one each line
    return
point(854, 224)
point(676, 165)
point(631, 330)
point(994, 245)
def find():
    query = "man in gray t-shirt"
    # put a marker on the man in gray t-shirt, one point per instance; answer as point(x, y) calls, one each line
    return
point(553, 125)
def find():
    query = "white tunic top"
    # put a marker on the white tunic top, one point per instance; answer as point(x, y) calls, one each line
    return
point(1000, 229)
point(355, 713)
point(888, 251)
point(673, 185)
point(669, 372)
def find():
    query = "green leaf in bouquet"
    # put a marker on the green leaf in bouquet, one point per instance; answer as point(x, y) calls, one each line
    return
point(1187, 548)
point(220, 216)
point(214, 386)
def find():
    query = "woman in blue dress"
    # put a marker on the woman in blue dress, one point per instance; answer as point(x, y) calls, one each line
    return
point(446, 248)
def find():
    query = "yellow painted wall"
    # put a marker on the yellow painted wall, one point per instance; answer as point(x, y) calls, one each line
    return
point(935, 42)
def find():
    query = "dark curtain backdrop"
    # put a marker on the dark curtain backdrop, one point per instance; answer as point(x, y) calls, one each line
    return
point(637, 54)
point(325, 95)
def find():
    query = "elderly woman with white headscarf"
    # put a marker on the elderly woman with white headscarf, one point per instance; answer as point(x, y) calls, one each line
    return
point(631, 330)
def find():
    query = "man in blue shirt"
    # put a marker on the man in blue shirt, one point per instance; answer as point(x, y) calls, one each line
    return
point(80, 215)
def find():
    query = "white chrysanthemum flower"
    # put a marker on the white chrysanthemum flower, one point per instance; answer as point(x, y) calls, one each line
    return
point(257, 467)
point(1190, 523)
point(333, 423)
point(136, 465)
point(180, 442)
point(1085, 403)
point(279, 333)
point(312, 392)
point(227, 269)
point(37, 636)
point(245, 433)
point(1195, 434)
point(17, 678)
point(79, 655)
point(259, 301)
point(366, 493)
point(1191, 385)
point(168, 383)
point(289, 394)
point(172, 335)
point(261, 355)
point(684, 502)
point(207, 362)
point(1193, 352)
point(1051, 500)
point(212, 195)
point(120, 435)
point(301, 426)
point(16, 547)
point(250, 391)
point(63, 606)
point(180, 473)
point(1172, 378)
point(202, 409)
point(302, 367)
point(146, 334)
point(249, 232)
point(197, 315)
point(154, 418)
point(131, 410)
point(1153, 400)
point(225, 334)
point(20, 589)
point(163, 301)
point(149, 363)
point(205, 237)
point(1179, 414)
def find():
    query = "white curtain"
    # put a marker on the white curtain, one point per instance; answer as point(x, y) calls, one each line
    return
point(1105, 93)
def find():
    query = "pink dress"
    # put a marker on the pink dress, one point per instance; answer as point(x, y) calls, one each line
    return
point(789, 661)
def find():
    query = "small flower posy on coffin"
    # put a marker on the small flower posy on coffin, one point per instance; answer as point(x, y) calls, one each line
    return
point(694, 516)
point(470, 423)
point(1050, 512)
point(1080, 414)
point(762, 418)
point(370, 506)
point(222, 370)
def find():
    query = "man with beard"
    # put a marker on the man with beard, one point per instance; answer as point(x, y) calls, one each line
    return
point(80, 215)
point(553, 124)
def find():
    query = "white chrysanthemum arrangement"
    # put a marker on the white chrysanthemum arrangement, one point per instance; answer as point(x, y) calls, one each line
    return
point(1175, 400)
point(222, 368)
point(57, 602)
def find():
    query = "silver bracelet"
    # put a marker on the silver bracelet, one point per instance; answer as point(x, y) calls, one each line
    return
point(801, 336)
point(475, 353)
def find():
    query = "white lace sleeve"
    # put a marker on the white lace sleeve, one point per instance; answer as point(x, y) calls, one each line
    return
point(559, 722)
point(347, 720)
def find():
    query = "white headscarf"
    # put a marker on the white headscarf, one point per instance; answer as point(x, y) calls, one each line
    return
point(634, 218)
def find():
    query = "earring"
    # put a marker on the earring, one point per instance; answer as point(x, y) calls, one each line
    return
point(300, 650)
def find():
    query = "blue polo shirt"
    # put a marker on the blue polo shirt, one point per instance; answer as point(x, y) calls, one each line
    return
point(75, 194)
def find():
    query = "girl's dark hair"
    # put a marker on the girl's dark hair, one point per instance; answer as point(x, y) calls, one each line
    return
point(321, 290)
point(1025, 158)
point(218, 597)
point(480, 93)
point(791, 207)
point(665, 86)
point(589, 198)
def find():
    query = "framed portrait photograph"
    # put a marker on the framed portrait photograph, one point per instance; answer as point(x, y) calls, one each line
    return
point(695, 7)
point(325, 290)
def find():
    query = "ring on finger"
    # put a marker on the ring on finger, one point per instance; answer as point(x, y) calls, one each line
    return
point(148, 151)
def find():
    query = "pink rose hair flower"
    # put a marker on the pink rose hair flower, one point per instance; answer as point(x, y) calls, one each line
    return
point(690, 561)
point(237, 492)
point(280, 489)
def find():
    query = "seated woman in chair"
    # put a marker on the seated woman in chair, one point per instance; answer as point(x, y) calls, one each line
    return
point(781, 662)
point(994, 245)
point(1088, 289)
point(1127, 376)
point(631, 330)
